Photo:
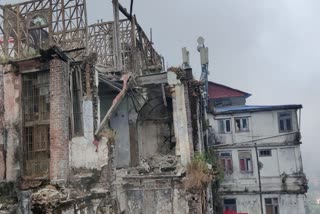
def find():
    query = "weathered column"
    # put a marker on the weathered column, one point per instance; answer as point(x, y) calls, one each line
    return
point(12, 125)
point(59, 120)
point(180, 118)
point(2, 152)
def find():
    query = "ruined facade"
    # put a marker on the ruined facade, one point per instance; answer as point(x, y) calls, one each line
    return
point(259, 151)
point(90, 121)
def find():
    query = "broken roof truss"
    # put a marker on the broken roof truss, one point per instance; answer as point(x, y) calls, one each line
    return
point(31, 26)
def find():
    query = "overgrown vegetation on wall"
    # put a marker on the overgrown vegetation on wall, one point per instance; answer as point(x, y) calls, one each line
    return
point(203, 169)
point(199, 173)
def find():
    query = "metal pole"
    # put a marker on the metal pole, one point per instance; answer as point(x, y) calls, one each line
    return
point(259, 177)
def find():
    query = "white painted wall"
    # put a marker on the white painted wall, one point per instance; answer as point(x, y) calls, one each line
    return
point(282, 160)
point(83, 153)
point(261, 125)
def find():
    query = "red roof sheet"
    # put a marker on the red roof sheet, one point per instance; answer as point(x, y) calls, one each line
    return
point(217, 91)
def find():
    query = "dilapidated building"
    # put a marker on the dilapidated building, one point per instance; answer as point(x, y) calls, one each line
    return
point(90, 121)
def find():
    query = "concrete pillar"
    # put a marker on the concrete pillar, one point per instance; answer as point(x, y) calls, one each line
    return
point(180, 118)
point(59, 120)
point(2, 153)
point(12, 122)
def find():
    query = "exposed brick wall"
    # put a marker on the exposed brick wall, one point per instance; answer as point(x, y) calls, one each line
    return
point(59, 120)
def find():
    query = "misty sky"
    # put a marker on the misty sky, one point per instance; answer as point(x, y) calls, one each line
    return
point(268, 48)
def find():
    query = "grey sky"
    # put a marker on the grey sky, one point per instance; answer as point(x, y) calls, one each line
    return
point(268, 48)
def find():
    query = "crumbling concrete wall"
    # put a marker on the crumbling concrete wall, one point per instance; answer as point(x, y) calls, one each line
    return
point(59, 120)
point(84, 154)
point(153, 195)
point(12, 117)
point(119, 122)
point(180, 118)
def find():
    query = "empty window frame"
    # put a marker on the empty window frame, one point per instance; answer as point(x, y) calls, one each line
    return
point(36, 147)
point(285, 121)
point(38, 33)
point(224, 126)
point(76, 97)
point(36, 114)
point(272, 206)
point(245, 161)
point(226, 161)
point(265, 153)
point(229, 206)
point(241, 124)
point(36, 103)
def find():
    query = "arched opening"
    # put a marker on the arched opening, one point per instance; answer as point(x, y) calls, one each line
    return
point(155, 128)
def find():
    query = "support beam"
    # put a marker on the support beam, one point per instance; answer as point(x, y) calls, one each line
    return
point(159, 78)
point(116, 102)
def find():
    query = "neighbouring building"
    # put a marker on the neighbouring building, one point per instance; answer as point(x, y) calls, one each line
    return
point(89, 120)
point(259, 152)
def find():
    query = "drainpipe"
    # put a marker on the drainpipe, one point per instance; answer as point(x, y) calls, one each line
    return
point(259, 177)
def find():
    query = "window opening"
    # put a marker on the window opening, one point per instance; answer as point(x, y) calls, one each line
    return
point(285, 121)
point(36, 112)
point(242, 124)
point(77, 102)
point(272, 206)
point(245, 161)
point(38, 33)
point(229, 206)
point(224, 126)
point(265, 153)
point(226, 161)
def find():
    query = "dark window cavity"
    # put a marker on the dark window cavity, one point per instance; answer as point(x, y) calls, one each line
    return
point(242, 124)
point(77, 122)
point(285, 121)
point(272, 206)
point(265, 153)
point(230, 205)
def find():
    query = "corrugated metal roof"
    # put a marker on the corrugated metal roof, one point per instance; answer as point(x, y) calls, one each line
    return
point(218, 91)
point(247, 108)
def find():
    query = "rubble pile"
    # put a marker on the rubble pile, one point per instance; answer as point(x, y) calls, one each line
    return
point(48, 197)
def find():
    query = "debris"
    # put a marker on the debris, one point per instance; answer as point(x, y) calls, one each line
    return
point(144, 164)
